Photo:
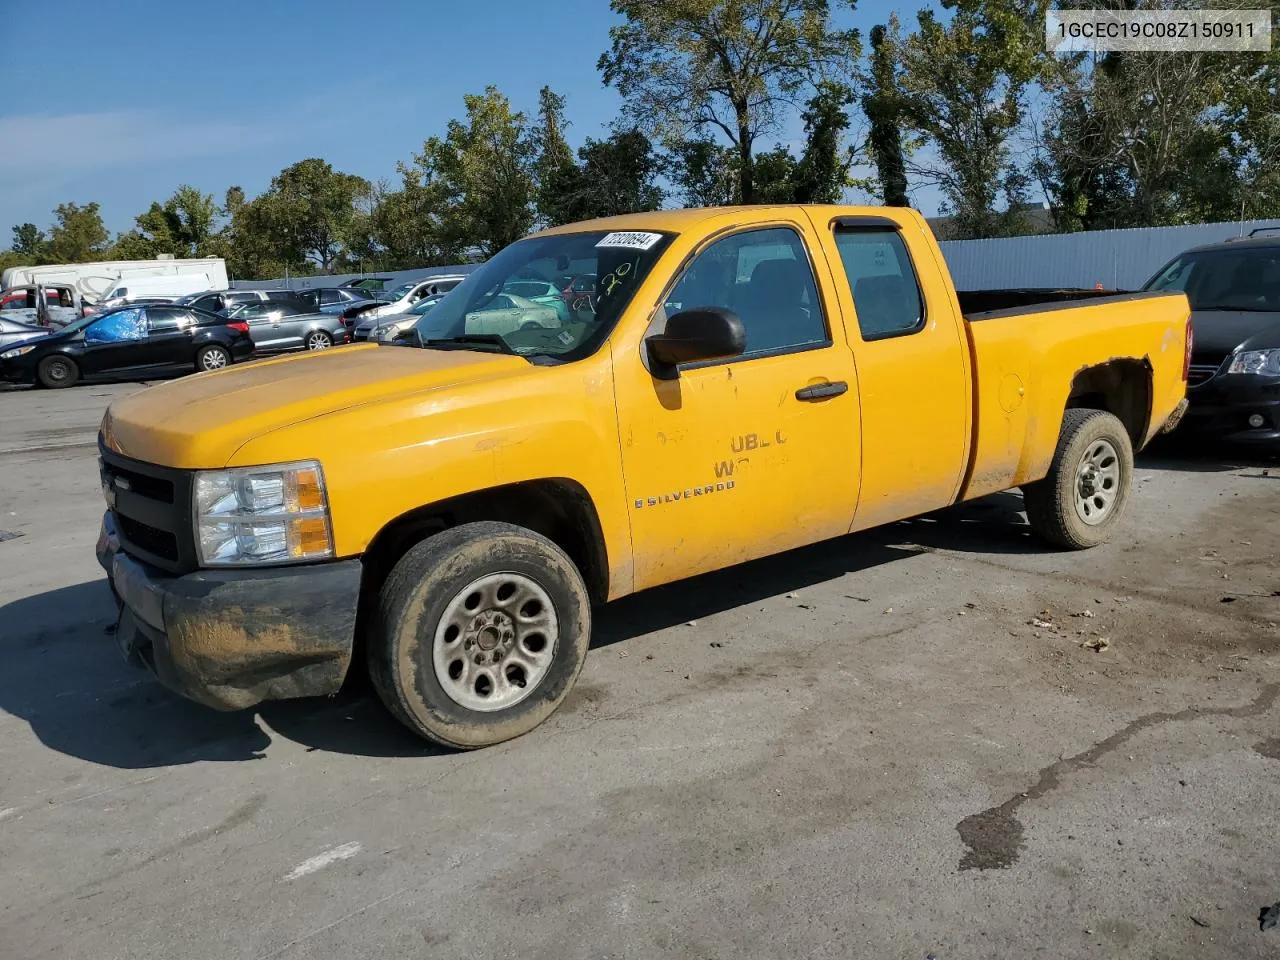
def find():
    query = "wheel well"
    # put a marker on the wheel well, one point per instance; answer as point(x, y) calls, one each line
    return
point(1120, 387)
point(559, 509)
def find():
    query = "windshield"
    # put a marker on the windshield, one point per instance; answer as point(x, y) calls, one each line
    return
point(83, 322)
point(399, 291)
point(1226, 279)
point(494, 303)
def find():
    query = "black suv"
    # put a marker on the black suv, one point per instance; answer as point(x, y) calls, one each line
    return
point(1234, 380)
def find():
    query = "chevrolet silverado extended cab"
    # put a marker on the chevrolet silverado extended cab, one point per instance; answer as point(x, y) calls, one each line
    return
point(741, 382)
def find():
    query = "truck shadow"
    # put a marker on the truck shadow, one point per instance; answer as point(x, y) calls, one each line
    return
point(64, 676)
point(991, 525)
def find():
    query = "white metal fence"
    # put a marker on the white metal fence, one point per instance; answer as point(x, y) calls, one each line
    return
point(1116, 259)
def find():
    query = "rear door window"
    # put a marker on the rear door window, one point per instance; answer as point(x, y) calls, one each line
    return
point(165, 320)
point(886, 294)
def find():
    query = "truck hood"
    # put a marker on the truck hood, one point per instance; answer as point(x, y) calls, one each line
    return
point(202, 420)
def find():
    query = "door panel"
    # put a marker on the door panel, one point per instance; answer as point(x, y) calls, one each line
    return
point(170, 336)
point(726, 463)
point(118, 341)
point(913, 374)
point(288, 330)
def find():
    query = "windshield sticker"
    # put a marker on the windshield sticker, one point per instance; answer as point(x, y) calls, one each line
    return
point(630, 241)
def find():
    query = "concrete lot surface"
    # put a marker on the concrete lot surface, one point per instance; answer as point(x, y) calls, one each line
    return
point(899, 744)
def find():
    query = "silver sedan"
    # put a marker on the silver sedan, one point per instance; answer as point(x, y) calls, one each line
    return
point(277, 326)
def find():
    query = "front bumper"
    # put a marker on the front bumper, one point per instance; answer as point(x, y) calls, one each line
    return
point(232, 638)
point(12, 372)
point(1223, 406)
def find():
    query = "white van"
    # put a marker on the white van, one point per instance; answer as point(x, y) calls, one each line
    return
point(94, 280)
point(170, 287)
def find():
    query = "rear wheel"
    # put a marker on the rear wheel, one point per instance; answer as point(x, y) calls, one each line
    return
point(1081, 500)
point(57, 372)
point(319, 340)
point(212, 357)
point(481, 632)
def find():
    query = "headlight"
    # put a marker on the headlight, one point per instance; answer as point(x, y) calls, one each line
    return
point(1265, 362)
point(261, 515)
point(16, 352)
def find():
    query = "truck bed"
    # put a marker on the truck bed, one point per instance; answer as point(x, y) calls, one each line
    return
point(979, 304)
point(1019, 403)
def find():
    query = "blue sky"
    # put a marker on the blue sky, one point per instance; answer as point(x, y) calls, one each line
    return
point(153, 94)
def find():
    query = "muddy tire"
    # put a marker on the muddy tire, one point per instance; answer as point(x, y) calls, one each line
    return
point(212, 357)
point(1082, 499)
point(57, 372)
point(479, 634)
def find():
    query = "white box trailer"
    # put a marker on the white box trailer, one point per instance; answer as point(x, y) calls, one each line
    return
point(94, 280)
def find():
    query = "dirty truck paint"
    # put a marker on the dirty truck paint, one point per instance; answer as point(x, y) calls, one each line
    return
point(720, 465)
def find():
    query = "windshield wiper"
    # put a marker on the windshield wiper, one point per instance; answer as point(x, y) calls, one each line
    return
point(470, 341)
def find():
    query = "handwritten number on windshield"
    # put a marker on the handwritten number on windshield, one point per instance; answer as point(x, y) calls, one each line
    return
point(611, 280)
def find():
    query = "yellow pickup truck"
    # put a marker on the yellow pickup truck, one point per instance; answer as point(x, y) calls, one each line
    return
point(715, 386)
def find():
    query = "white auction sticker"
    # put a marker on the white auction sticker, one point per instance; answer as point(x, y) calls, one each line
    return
point(1156, 31)
point(631, 241)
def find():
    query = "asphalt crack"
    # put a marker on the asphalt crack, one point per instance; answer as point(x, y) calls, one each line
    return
point(995, 837)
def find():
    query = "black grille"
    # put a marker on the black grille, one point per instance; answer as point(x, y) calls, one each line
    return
point(153, 488)
point(161, 543)
point(1200, 372)
point(152, 509)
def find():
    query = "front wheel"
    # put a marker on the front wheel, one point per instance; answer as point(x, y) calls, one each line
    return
point(57, 372)
point(212, 357)
point(319, 340)
point(480, 633)
point(1078, 504)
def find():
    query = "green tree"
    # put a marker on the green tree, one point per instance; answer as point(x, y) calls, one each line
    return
point(775, 176)
point(558, 177)
point(823, 170)
point(883, 108)
point(617, 175)
point(481, 172)
point(78, 234)
point(30, 242)
point(408, 225)
point(1144, 139)
point(688, 67)
point(704, 172)
point(307, 214)
point(963, 86)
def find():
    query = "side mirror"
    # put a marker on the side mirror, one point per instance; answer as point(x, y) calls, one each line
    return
point(701, 333)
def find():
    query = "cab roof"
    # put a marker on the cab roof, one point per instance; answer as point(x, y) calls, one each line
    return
point(678, 221)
